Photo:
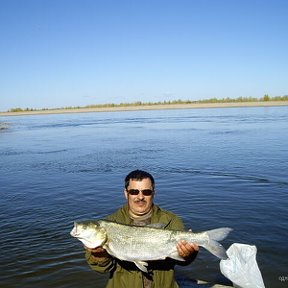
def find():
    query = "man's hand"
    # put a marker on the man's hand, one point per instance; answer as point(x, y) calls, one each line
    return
point(97, 252)
point(187, 250)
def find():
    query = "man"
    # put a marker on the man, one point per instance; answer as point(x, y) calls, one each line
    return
point(140, 210)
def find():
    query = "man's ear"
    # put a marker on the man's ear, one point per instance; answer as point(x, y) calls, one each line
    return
point(126, 193)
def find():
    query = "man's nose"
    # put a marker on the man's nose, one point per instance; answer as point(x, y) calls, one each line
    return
point(141, 195)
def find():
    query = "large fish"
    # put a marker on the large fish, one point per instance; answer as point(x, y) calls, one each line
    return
point(139, 244)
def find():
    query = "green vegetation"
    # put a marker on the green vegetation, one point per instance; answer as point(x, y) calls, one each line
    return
point(265, 98)
point(21, 110)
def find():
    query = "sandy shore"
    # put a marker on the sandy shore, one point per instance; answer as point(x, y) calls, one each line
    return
point(149, 107)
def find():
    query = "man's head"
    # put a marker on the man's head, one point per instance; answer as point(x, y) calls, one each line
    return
point(139, 192)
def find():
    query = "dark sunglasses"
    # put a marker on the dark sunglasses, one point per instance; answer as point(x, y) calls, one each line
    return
point(145, 192)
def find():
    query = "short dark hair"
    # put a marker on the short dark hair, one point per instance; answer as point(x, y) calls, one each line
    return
point(138, 175)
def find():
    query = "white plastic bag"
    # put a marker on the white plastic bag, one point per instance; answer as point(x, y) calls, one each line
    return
point(241, 266)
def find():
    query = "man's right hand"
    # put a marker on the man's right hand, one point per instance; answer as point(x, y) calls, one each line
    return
point(97, 252)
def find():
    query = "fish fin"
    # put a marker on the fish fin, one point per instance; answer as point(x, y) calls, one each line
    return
point(156, 225)
point(106, 247)
point(213, 246)
point(141, 265)
point(219, 234)
point(174, 255)
point(109, 251)
point(216, 249)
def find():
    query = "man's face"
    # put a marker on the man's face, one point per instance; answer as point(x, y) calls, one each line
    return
point(139, 204)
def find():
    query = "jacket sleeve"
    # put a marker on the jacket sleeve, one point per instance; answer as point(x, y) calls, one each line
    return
point(99, 264)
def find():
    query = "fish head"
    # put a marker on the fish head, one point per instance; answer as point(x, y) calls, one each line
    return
point(89, 233)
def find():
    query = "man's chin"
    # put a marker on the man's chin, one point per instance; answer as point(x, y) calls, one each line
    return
point(140, 211)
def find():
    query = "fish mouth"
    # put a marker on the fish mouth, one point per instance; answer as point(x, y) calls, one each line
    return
point(74, 231)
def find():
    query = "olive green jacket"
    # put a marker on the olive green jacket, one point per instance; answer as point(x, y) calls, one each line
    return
point(125, 274)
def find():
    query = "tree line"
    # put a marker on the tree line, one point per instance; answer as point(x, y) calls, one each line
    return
point(265, 98)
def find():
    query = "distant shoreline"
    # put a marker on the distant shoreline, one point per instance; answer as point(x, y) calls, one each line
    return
point(150, 107)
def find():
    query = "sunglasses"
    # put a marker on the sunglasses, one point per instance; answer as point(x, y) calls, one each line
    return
point(145, 192)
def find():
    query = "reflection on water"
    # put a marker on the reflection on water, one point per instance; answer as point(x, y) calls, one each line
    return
point(225, 167)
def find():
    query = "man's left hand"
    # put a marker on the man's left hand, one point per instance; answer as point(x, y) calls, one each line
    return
point(187, 250)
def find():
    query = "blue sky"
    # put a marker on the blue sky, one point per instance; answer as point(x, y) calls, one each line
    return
point(60, 53)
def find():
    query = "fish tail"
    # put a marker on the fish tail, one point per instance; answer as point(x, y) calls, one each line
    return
point(215, 247)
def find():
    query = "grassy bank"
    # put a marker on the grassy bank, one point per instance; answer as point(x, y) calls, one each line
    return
point(152, 106)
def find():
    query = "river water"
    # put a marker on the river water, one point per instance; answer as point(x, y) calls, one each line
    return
point(213, 167)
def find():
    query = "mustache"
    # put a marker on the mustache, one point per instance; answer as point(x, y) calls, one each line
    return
point(140, 200)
